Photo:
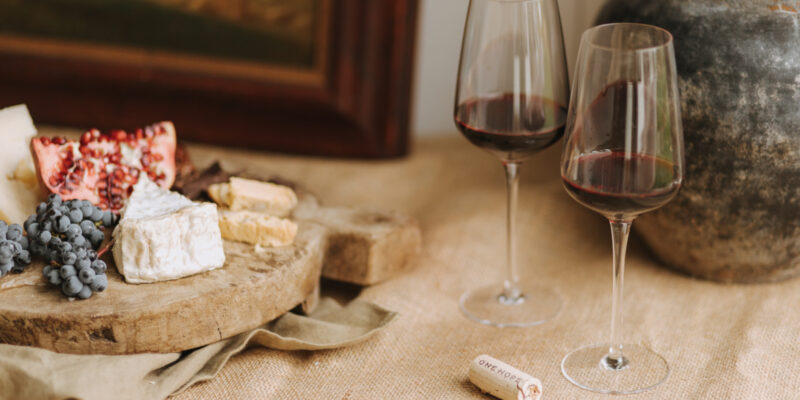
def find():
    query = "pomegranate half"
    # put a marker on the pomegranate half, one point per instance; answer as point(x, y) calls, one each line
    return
point(103, 167)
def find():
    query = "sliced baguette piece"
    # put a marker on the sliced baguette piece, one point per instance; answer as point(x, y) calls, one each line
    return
point(256, 228)
point(242, 194)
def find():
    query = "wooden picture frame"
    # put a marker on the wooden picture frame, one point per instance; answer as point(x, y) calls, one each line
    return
point(353, 101)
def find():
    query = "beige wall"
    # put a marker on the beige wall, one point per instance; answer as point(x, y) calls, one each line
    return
point(441, 23)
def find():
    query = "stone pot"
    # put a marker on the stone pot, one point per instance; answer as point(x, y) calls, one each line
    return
point(737, 217)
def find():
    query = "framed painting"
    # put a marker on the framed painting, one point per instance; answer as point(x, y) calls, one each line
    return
point(323, 77)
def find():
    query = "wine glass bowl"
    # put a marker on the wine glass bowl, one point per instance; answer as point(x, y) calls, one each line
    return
point(622, 156)
point(511, 100)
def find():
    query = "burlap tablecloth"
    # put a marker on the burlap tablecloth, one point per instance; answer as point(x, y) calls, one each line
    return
point(721, 341)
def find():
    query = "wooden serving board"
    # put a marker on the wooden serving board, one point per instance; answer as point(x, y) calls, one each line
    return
point(254, 287)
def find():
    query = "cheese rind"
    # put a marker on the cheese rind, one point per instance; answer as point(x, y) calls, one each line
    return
point(249, 195)
point(164, 236)
point(256, 228)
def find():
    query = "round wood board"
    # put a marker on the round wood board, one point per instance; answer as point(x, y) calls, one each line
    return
point(253, 287)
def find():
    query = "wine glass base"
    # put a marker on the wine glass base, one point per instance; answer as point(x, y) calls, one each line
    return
point(488, 306)
point(641, 371)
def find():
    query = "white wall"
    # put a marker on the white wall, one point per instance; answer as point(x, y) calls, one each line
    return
point(441, 24)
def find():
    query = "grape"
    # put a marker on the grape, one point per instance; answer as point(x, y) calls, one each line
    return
point(87, 226)
point(3, 228)
point(54, 277)
point(81, 253)
point(37, 248)
point(99, 267)
point(99, 283)
point(23, 258)
point(71, 286)
point(86, 275)
point(29, 221)
point(46, 270)
point(6, 251)
point(83, 263)
point(79, 241)
point(23, 241)
point(6, 267)
point(96, 237)
point(14, 232)
point(75, 216)
point(108, 218)
point(62, 223)
point(73, 231)
point(45, 236)
point(66, 271)
point(54, 199)
point(41, 208)
point(63, 247)
point(68, 257)
point(33, 229)
point(91, 254)
point(85, 293)
point(87, 210)
point(46, 226)
point(97, 215)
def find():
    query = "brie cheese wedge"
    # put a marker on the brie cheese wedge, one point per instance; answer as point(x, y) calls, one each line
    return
point(163, 236)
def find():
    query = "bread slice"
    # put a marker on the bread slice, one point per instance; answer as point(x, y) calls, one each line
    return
point(256, 228)
point(250, 195)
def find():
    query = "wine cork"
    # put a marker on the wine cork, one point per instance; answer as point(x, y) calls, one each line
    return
point(502, 380)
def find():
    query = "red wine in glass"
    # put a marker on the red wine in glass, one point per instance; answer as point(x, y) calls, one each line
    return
point(619, 183)
point(616, 179)
point(512, 127)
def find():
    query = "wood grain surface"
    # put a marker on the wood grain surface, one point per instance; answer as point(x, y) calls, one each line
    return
point(254, 287)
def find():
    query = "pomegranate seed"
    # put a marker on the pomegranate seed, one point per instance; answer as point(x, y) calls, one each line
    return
point(158, 157)
point(53, 181)
point(59, 140)
point(119, 135)
point(102, 184)
point(116, 191)
point(102, 175)
point(86, 138)
point(46, 141)
point(115, 158)
point(64, 190)
point(148, 132)
point(67, 163)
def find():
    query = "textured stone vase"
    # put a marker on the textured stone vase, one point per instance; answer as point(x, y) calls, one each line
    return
point(737, 218)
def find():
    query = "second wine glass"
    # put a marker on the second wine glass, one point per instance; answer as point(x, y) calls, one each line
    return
point(622, 157)
point(511, 100)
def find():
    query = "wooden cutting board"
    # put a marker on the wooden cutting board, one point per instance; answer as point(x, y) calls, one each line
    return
point(254, 287)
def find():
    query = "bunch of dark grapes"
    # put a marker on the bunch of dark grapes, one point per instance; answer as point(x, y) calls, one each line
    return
point(14, 254)
point(67, 234)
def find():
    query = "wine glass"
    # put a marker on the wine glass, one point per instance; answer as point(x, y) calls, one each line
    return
point(622, 156)
point(511, 99)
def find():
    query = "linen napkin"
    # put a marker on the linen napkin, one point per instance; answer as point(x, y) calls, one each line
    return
point(32, 373)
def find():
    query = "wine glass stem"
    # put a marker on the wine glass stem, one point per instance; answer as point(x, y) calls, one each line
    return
point(620, 229)
point(511, 293)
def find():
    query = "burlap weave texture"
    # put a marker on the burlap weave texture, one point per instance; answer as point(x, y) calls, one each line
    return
point(721, 341)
